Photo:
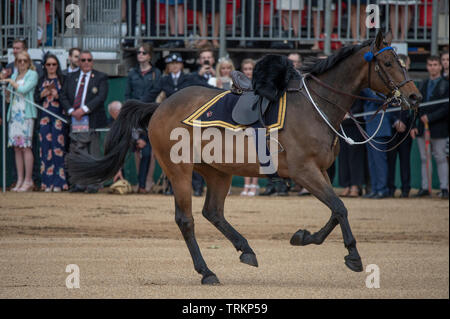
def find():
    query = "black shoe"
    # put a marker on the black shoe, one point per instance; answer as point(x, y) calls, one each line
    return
point(282, 189)
point(370, 195)
point(422, 193)
point(405, 194)
point(250, 44)
point(77, 189)
point(151, 42)
point(283, 45)
point(381, 195)
point(198, 193)
point(269, 191)
point(444, 194)
point(128, 43)
point(179, 44)
point(168, 45)
point(172, 44)
point(92, 189)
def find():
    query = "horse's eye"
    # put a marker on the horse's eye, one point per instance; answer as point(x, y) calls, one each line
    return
point(388, 64)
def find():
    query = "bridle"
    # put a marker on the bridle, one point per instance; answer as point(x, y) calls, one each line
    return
point(395, 97)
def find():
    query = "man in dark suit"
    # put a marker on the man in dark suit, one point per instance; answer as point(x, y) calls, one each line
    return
point(434, 88)
point(83, 97)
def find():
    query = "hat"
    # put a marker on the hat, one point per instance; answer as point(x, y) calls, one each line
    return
point(174, 57)
point(120, 187)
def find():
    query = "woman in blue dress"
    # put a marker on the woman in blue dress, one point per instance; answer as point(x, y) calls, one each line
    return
point(52, 131)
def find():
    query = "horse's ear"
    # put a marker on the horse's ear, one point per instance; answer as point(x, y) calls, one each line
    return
point(388, 38)
point(379, 39)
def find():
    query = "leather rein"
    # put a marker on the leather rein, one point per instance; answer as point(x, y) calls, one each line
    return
point(394, 98)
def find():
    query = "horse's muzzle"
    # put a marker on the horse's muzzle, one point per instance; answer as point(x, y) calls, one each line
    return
point(415, 99)
point(411, 102)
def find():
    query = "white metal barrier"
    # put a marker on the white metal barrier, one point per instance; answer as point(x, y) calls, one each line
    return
point(105, 24)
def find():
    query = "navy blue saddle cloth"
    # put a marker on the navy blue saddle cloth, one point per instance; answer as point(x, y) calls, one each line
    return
point(217, 113)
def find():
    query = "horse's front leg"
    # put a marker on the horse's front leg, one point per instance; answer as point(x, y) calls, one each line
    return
point(218, 184)
point(303, 237)
point(311, 177)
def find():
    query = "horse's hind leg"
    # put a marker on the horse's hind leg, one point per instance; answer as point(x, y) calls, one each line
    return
point(218, 185)
point(181, 185)
point(319, 186)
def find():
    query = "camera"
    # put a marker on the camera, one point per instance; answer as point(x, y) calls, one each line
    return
point(206, 62)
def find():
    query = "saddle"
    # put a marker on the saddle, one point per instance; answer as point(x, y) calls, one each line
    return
point(250, 107)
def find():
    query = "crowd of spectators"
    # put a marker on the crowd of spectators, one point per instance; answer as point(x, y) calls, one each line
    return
point(78, 94)
point(288, 19)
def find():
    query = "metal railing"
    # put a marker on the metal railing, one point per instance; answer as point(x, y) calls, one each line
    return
point(106, 24)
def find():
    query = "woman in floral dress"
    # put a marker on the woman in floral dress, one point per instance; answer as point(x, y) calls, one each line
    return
point(52, 131)
point(21, 116)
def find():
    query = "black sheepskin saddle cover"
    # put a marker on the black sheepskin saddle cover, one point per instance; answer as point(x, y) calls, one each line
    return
point(270, 80)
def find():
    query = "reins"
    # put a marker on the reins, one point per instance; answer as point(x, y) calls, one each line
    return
point(358, 123)
point(344, 136)
point(394, 97)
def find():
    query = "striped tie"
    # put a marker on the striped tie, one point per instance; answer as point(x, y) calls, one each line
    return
point(77, 102)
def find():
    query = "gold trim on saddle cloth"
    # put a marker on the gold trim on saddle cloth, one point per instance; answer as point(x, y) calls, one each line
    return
point(192, 120)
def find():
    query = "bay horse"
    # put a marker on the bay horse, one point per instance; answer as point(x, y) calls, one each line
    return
point(310, 145)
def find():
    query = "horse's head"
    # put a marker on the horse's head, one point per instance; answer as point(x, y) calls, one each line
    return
point(387, 73)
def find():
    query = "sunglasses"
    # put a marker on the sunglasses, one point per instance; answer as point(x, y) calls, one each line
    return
point(84, 60)
point(22, 61)
point(51, 64)
point(142, 52)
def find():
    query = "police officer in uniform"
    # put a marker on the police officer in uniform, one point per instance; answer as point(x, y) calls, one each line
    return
point(176, 79)
point(170, 84)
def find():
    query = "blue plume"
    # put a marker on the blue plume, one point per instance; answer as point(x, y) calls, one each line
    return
point(368, 56)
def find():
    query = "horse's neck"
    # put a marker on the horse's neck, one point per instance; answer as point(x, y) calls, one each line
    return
point(348, 77)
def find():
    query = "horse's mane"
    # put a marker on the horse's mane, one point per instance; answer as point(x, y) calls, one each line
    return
point(315, 65)
point(271, 76)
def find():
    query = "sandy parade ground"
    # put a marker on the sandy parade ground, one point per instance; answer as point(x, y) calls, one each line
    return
point(130, 247)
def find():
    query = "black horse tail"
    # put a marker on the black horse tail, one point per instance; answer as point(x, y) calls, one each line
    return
point(84, 169)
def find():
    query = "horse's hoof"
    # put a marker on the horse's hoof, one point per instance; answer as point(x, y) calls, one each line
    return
point(210, 280)
point(354, 263)
point(249, 259)
point(298, 239)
